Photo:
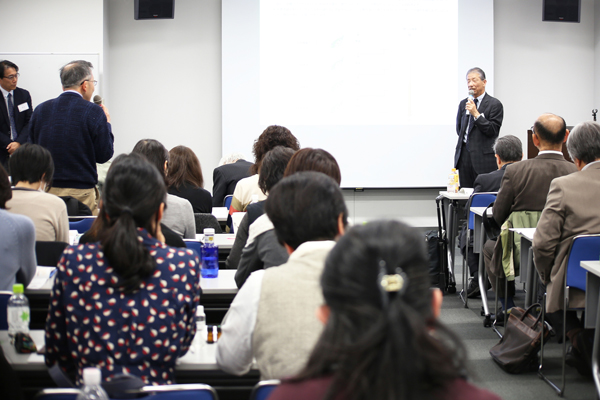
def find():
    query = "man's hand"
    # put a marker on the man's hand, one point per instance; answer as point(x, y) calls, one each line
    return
point(12, 146)
point(105, 112)
point(471, 108)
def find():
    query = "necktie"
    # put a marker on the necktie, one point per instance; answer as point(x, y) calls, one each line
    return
point(471, 123)
point(11, 115)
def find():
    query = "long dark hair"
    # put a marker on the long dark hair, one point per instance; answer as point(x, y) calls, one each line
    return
point(380, 344)
point(184, 167)
point(132, 195)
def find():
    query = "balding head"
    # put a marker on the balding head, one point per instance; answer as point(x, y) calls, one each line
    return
point(551, 130)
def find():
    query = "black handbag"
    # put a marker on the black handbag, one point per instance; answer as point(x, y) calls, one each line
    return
point(517, 351)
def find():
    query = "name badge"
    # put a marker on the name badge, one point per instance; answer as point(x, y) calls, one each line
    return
point(23, 107)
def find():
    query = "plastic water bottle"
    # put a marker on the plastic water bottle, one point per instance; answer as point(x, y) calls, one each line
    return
point(452, 186)
point(18, 311)
point(200, 328)
point(92, 378)
point(210, 255)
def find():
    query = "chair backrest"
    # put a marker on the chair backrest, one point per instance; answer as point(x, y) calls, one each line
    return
point(81, 226)
point(206, 220)
point(4, 296)
point(195, 391)
point(194, 245)
point(479, 200)
point(48, 253)
point(584, 248)
point(227, 201)
point(263, 389)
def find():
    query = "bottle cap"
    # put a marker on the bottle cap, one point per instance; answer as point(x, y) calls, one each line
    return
point(92, 376)
point(18, 288)
point(199, 311)
point(209, 231)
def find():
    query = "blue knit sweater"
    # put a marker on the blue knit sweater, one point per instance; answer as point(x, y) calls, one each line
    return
point(77, 134)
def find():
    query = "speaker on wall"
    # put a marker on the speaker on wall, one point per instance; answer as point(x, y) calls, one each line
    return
point(561, 10)
point(154, 9)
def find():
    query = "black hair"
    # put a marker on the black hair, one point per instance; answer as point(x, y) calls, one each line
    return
point(551, 130)
point(29, 163)
point(382, 343)
point(4, 65)
point(509, 148)
point(131, 198)
point(155, 152)
point(479, 71)
point(272, 136)
point(273, 166)
point(5, 190)
point(305, 207)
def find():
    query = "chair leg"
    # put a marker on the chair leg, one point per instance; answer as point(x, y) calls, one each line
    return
point(559, 391)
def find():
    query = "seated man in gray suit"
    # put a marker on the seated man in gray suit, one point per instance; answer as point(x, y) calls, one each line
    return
point(272, 318)
point(571, 209)
point(508, 149)
point(523, 192)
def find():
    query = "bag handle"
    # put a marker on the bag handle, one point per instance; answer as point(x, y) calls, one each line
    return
point(529, 310)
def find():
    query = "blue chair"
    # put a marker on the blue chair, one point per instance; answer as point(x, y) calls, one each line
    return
point(263, 389)
point(194, 245)
point(584, 248)
point(227, 201)
point(194, 391)
point(81, 226)
point(482, 199)
point(4, 296)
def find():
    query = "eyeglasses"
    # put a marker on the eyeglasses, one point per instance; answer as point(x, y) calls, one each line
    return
point(12, 77)
point(89, 80)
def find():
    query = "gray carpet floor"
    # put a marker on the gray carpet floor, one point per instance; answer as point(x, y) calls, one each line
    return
point(468, 324)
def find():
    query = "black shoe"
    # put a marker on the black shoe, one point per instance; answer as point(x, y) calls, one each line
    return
point(576, 360)
point(473, 289)
point(498, 319)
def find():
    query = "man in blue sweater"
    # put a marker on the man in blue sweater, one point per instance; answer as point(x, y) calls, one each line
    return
point(77, 132)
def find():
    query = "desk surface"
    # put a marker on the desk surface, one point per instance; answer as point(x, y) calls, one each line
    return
point(592, 266)
point(222, 240)
point(223, 284)
point(527, 233)
point(455, 196)
point(220, 213)
point(200, 356)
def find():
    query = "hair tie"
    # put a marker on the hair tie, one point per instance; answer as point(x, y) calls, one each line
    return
point(391, 283)
point(126, 210)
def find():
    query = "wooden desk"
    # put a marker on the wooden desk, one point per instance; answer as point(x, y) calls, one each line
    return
point(592, 313)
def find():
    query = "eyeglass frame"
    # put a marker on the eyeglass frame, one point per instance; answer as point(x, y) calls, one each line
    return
point(89, 80)
point(12, 77)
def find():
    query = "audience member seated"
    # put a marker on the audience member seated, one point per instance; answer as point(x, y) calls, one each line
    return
point(521, 199)
point(272, 318)
point(17, 242)
point(125, 305)
point(508, 149)
point(185, 180)
point(382, 337)
point(263, 248)
point(179, 214)
point(261, 252)
point(571, 209)
point(31, 169)
point(232, 168)
point(273, 136)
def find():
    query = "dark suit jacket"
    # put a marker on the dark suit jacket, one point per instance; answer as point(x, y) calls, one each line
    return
point(489, 182)
point(20, 96)
point(483, 134)
point(226, 177)
point(525, 184)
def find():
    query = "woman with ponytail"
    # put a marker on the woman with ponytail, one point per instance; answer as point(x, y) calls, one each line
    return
point(126, 304)
point(382, 338)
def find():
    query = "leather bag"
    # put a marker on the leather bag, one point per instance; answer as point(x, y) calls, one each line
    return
point(517, 351)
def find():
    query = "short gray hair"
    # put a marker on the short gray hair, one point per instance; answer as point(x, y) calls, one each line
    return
point(479, 71)
point(584, 142)
point(231, 158)
point(509, 148)
point(75, 73)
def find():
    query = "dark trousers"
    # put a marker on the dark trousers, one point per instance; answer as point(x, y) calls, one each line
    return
point(466, 172)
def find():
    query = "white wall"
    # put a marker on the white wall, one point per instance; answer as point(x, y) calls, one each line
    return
point(163, 77)
point(166, 78)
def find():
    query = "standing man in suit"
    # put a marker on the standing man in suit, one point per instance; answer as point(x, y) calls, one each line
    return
point(232, 169)
point(15, 111)
point(478, 125)
point(77, 133)
point(524, 188)
point(508, 149)
point(571, 209)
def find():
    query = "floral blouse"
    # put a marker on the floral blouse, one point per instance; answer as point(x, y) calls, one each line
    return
point(91, 323)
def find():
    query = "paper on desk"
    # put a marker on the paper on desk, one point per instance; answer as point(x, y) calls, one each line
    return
point(42, 274)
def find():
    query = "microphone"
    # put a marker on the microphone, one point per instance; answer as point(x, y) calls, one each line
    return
point(470, 97)
point(98, 100)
